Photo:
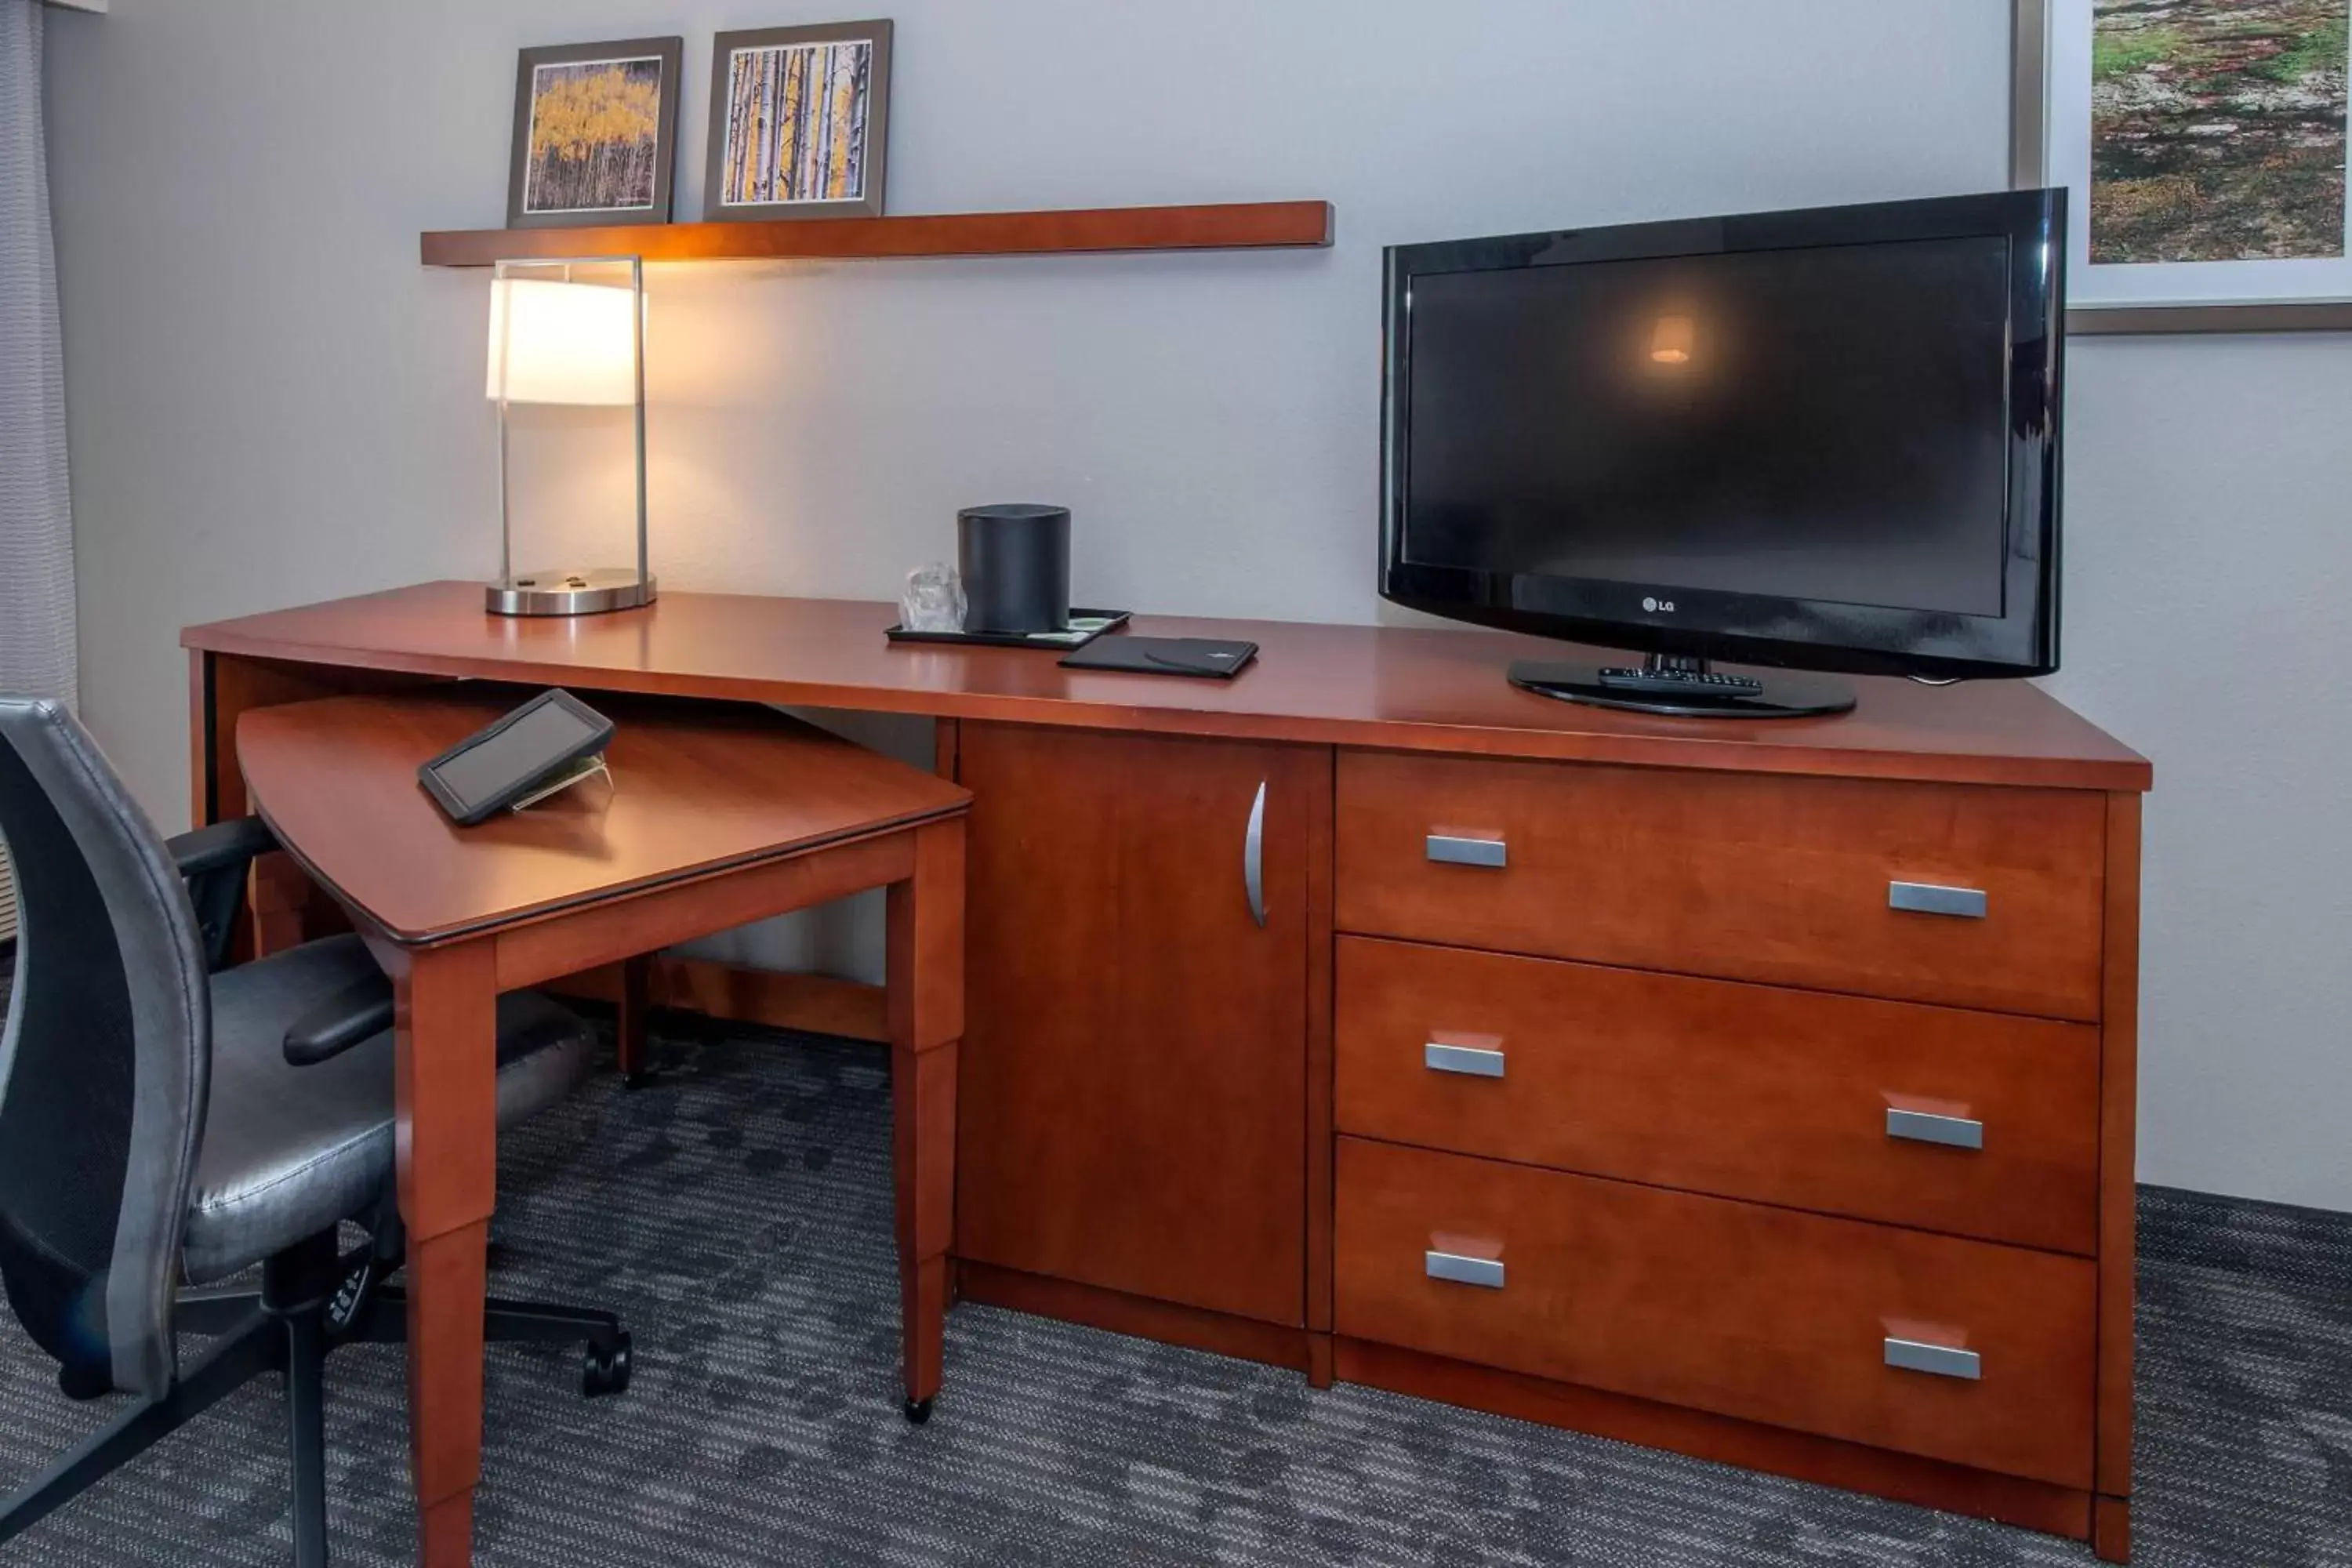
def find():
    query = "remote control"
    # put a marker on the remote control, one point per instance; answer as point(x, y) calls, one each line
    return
point(1662, 683)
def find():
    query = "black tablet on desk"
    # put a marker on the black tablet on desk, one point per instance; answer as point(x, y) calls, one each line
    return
point(538, 743)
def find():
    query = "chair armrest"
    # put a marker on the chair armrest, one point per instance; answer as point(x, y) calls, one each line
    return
point(221, 847)
point(359, 1011)
point(213, 861)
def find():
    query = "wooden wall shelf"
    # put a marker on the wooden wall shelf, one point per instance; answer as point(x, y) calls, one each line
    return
point(1232, 226)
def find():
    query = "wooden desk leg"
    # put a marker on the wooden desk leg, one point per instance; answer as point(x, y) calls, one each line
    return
point(632, 1018)
point(926, 920)
point(2111, 1529)
point(445, 1037)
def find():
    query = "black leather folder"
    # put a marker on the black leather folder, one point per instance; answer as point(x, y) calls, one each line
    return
point(1208, 656)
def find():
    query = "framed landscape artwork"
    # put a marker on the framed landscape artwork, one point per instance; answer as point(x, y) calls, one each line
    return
point(2202, 145)
point(799, 118)
point(595, 134)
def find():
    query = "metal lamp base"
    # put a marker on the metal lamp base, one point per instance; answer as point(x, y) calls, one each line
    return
point(587, 593)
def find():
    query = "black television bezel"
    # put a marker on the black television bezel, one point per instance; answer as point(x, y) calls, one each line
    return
point(1795, 634)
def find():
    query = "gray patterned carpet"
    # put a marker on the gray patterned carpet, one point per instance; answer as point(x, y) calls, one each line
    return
point(738, 1215)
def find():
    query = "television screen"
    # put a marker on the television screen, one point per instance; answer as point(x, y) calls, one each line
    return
point(1823, 439)
point(1782, 422)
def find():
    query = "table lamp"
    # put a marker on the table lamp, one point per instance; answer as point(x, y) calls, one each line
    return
point(558, 336)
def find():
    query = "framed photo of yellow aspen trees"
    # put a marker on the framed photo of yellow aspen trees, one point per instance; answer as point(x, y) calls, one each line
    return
point(799, 121)
point(595, 134)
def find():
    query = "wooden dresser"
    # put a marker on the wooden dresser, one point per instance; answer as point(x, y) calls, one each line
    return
point(1760, 1091)
point(1776, 1099)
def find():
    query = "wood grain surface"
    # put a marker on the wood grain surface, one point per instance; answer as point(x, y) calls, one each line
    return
point(1776, 879)
point(1374, 685)
point(445, 1042)
point(1763, 1313)
point(1134, 1074)
point(695, 791)
point(1745, 1091)
point(925, 917)
point(1826, 1461)
point(2118, 1169)
point(1237, 225)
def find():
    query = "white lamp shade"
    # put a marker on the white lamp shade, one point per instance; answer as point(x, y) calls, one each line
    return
point(562, 342)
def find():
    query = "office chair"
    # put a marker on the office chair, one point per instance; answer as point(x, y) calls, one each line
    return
point(168, 1120)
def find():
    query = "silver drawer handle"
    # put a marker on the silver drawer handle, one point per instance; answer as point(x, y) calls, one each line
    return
point(1253, 858)
point(1942, 1360)
point(1928, 898)
point(1449, 850)
point(1921, 1126)
point(1461, 1270)
point(1468, 1061)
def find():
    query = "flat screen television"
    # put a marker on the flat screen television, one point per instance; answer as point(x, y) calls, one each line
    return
point(1824, 440)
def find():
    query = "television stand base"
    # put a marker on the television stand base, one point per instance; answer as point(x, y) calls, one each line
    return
point(1687, 689)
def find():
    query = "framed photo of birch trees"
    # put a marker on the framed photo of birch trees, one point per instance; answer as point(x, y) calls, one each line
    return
point(595, 134)
point(799, 118)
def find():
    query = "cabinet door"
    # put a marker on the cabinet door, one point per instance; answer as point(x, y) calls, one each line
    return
point(1132, 1102)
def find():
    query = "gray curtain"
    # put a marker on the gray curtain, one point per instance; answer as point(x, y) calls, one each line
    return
point(36, 585)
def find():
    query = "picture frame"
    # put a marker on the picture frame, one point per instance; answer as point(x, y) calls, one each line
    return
point(2184, 218)
point(778, 151)
point(595, 134)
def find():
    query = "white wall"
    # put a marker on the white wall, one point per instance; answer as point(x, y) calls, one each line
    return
point(2208, 560)
point(273, 403)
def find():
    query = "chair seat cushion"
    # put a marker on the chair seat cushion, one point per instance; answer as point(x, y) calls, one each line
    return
point(289, 1151)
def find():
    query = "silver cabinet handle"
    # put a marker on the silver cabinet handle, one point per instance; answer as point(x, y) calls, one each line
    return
point(1928, 899)
point(1450, 850)
point(1941, 1361)
point(1468, 1061)
point(1922, 1127)
point(1253, 858)
point(1461, 1270)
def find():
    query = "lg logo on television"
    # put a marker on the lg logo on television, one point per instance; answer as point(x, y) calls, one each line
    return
point(1655, 606)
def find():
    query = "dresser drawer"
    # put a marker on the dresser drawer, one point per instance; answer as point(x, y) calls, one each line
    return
point(1972, 895)
point(1961, 1351)
point(1977, 1123)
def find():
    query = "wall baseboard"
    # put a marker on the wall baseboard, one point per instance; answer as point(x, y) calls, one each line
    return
point(2303, 1247)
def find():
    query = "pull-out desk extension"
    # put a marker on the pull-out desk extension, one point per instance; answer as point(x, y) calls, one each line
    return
point(695, 838)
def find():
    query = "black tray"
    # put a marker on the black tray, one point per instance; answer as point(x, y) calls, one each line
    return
point(1086, 626)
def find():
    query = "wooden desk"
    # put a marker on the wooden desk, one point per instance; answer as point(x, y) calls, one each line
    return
point(713, 819)
point(1389, 687)
point(1185, 1115)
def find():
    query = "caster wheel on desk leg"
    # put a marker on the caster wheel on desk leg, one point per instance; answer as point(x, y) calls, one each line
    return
point(918, 1411)
point(638, 1079)
point(605, 1371)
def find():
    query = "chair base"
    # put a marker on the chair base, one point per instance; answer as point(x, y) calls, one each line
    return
point(287, 1327)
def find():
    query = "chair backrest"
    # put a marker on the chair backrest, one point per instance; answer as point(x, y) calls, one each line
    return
point(105, 1061)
